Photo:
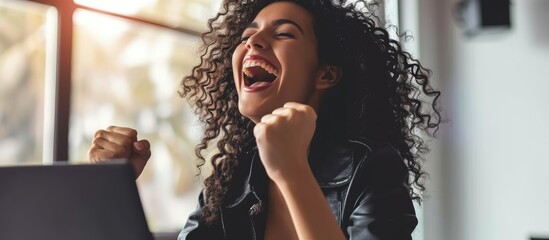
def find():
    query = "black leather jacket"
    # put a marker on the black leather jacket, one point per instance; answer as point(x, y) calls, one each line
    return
point(365, 187)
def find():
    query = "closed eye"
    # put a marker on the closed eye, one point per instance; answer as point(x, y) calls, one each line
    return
point(285, 35)
point(244, 38)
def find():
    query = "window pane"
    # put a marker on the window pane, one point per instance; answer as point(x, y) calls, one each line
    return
point(189, 14)
point(26, 41)
point(128, 74)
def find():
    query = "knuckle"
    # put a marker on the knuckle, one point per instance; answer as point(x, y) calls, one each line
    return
point(264, 118)
point(259, 128)
point(133, 133)
point(99, 133)
point(91, 155)
point(281, 110)
point(111, 128)
point(314, 115)
point(96, 141)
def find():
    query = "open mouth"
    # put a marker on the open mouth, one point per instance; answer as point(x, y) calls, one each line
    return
point(258, 73)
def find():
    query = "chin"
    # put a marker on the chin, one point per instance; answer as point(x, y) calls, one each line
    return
point(252, 112)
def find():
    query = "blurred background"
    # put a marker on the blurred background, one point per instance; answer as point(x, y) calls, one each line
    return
point(70, 68)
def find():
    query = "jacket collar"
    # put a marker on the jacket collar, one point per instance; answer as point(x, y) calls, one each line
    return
point(332, 164)
point(255, 180)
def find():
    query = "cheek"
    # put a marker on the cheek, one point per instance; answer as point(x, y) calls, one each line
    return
point(301, 63)
point(236, 62)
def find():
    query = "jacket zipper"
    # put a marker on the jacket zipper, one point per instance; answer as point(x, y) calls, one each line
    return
point(251, 213)
point(253, 226)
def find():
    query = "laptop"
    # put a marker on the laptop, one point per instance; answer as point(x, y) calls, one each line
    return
point(71, 202)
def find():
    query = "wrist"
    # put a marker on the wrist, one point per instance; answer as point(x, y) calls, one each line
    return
point(295, 174)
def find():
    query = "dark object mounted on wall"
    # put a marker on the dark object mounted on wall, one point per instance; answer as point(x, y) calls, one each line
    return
point(539, 238)
point(483, 16)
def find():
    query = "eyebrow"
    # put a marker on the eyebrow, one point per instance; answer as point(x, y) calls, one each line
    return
point(277, 23)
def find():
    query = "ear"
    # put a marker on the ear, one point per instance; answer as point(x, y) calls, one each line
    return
point(328, 76)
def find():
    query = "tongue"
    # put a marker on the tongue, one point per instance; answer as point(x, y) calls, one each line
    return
point(260, 84)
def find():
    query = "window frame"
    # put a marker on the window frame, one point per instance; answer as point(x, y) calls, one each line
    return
point(63, 68)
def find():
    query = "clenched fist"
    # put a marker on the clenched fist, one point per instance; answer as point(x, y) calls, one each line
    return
point(283, 138)
point(120, 143)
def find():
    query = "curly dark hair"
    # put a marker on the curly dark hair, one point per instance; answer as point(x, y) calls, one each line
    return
point(382, 94)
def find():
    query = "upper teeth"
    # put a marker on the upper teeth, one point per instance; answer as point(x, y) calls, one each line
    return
point(258, 63)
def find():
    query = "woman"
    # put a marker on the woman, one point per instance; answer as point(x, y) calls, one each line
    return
point(315, 113)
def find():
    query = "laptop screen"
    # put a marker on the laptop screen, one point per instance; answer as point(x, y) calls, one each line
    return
point(85, 202)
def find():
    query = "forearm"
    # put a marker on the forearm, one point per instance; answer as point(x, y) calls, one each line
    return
point(310, 212)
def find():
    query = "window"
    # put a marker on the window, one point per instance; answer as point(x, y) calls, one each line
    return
point(404, 16)
point(27, 52)
point(186, 14)
point(120, 64)
point(128, 74)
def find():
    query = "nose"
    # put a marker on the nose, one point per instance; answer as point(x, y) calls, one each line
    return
point(256, 41)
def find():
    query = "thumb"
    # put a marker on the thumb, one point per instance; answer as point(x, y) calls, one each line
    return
point(142, 148)
point(140, 156)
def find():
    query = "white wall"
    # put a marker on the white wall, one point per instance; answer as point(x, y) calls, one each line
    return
point(490, 175)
